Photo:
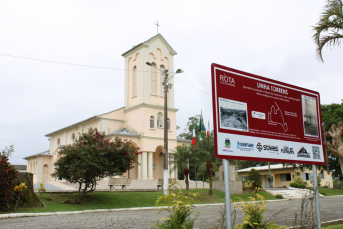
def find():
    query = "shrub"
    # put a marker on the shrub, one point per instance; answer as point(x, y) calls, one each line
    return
point(298, 179)
point(255, 177)
point(298, 185)
point(338, 184)
point(279, 196)
point(7, 180)
point(254, 210)
point(179, 207)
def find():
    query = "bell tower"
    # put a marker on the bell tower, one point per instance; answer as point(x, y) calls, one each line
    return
point(143, 83)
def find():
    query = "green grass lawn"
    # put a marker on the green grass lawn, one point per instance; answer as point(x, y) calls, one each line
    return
point(107, 200)
point(329, 192)
point(338, 226)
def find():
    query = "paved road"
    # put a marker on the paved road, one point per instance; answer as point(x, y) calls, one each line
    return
point(331, 209)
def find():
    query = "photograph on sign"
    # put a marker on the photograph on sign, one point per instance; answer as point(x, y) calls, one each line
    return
point(260, 119)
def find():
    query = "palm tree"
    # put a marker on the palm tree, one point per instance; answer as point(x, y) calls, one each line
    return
point(205, 149)
point(329, 29)
point(182, 158)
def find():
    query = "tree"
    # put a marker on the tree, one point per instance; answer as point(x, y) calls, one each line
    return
point(7, 179)
point(92, 157)
point(182, 158)
point(188, 134)
point(329, 29)
point(205, 149)
point(255, 176)
point(332, 114)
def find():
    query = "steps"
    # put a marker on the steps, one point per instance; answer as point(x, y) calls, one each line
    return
point(291, 193)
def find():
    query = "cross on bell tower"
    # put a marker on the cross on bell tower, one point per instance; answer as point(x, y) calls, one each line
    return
point(157, 25)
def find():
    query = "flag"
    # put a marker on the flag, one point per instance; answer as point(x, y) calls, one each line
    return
point(202, 129)
point(194, 140)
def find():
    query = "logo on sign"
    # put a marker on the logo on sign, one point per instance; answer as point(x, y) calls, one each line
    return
point(303, 153)
point(245, 146)
point(227, 143)
point(288, 150)
point(227, 80)
point(261, 147)
point(316, 152)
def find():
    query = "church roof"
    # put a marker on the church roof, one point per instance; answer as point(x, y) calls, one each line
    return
point(78, 123)
point(45, 153)
point(150, 40)
point(124, 132)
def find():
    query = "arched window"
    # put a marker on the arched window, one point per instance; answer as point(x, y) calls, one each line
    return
point(160, 120)
point(134, 82)
point(168, 123)
point(161, 80)
point(152, 122)
point(153, 79)
point(73, 137)
point(58, 142)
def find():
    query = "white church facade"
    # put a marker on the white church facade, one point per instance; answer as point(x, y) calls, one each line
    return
point(140, 120)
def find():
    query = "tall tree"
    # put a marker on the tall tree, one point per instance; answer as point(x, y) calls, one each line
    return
point(92, 157)
point(188, 134)
point(183, 157)
point(205, 149)
point(332, 114)
point(329, 29)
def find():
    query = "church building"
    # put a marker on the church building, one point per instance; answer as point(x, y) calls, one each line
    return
point(140, 120)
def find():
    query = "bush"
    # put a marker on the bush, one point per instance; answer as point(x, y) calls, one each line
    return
point(7, 180)
point(279, 196)
point(338, 184)
point(298, 179)
point(298, 185)
point(255, 177)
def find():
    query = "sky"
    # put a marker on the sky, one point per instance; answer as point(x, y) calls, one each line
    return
point(269, 38)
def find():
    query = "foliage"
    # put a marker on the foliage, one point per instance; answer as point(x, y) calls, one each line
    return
point(205, 149)
point(254, 214)
point(179, 207)
point(188, 134)
point(7, 179)
point(255, 177)
point(328, 30)
point(332, 114)
point(307, 213)
point(338, 184)
point(41, 190)
point(92, 157)
point(298, 179)
point(279, 196)
point(297, 185)
point(19, 191)
point(182, 157)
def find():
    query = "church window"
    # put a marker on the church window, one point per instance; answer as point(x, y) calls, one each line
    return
point(161, 80)
point(160, 120)
point(58, 142)
point(134, 82)
point(152, 122)
point(73, 137)
point(168, 123)
point(153, 79)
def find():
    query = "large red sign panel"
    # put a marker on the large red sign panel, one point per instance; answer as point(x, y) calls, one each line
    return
point(261, 119)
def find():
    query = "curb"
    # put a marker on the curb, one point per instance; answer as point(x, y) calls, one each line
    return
point(19, 215)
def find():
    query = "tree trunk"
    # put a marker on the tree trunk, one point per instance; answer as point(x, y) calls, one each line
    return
point(185, 173)
point(27, 178)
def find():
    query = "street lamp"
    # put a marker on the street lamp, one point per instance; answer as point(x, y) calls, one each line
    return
point(167, 86)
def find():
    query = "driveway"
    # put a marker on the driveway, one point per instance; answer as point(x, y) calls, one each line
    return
point(330, 207)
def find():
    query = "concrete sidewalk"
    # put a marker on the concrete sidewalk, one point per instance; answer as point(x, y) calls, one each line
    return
point(102, 185)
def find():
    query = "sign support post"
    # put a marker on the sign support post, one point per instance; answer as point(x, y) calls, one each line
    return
point(316, 190)
point(227, 193)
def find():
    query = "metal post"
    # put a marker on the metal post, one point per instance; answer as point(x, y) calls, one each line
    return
point(165, 171)
point(227, 194)
point(316, 190)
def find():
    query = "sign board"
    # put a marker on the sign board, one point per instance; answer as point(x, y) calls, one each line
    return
point(261, 119)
